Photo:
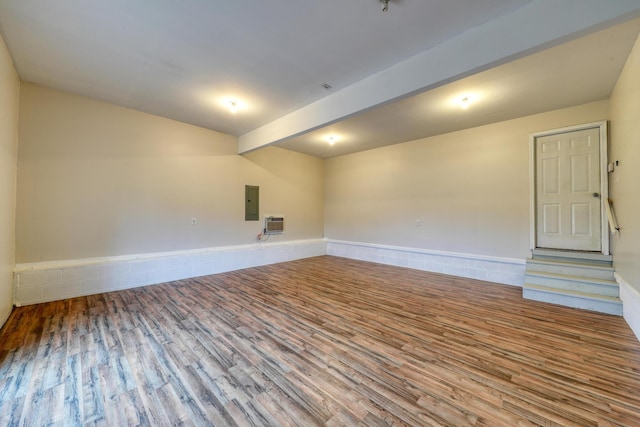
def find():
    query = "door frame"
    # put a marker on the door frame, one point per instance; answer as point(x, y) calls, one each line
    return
point(604, 179)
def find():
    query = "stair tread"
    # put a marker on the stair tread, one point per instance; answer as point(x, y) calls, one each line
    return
point(573, 293)
point(558, 262)
point(571, 278)
point(585, 256)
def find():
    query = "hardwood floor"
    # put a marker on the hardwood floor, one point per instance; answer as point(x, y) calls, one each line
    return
point(320, 341)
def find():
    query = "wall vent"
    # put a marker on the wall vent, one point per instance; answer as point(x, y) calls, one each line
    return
point(273, 225)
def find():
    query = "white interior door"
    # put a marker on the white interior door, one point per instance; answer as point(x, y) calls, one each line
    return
point(568, 183)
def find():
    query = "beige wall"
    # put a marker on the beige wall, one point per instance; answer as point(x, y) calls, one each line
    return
point(625, 180)
point(9, 98)
point(96, 180)
point(469, 189)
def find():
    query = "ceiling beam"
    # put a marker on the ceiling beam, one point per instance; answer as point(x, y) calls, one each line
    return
point(536, 26)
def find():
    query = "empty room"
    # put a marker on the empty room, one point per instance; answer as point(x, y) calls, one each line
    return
point(331, 213)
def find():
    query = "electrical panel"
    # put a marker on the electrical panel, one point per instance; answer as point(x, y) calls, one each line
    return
point(251, 203)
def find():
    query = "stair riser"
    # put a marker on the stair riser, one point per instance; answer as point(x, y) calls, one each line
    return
point(574, 260)
point(580, 286)
point(573, 301)
point(572, 270)
point(584, 257)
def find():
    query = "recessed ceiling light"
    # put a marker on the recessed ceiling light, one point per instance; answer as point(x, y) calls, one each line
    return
point(465, 100)
point(233, 104)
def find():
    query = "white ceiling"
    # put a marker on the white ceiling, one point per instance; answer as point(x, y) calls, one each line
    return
point(182, 59)
point(577, 72)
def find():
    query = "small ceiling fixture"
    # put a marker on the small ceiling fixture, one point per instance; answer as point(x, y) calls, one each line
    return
point(327, 86)
point(466, 100)
point(233, 106)
point(385, 5)
point(332, 139)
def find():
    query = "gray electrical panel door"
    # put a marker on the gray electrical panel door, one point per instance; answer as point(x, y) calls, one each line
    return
point(251, 202)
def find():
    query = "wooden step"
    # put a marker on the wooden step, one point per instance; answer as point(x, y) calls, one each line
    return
point(595, 258)
point(573, 283)
point(575, 279)
point(576, 299)
point(569, 268)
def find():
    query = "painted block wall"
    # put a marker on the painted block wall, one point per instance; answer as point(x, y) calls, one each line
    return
point(9, 99)
point(99, 180)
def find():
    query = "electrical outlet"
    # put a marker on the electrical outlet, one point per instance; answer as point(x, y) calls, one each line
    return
point(418, 223)
point(193, 221)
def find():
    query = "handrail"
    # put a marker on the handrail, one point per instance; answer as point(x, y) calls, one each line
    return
point(613, 224)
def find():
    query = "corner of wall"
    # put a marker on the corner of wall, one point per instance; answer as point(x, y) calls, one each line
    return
point(9, 110)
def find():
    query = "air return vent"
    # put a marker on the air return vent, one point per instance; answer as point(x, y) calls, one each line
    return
point(273, 225)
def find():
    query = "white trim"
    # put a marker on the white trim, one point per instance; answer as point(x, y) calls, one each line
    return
point(532, 191)
point(604, 187)
point(53, 280)
point(508, 271)
point(604, 179)
point(47, 265)
point(630, 297)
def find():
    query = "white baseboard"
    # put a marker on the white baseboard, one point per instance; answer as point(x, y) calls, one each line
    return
point(49, 281)
point(630, 297)
point(509, 271)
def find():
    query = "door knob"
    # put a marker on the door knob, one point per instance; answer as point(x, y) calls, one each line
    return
point(596, 194)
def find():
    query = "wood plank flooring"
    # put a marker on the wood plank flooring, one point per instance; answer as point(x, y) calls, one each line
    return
point(320, 341)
